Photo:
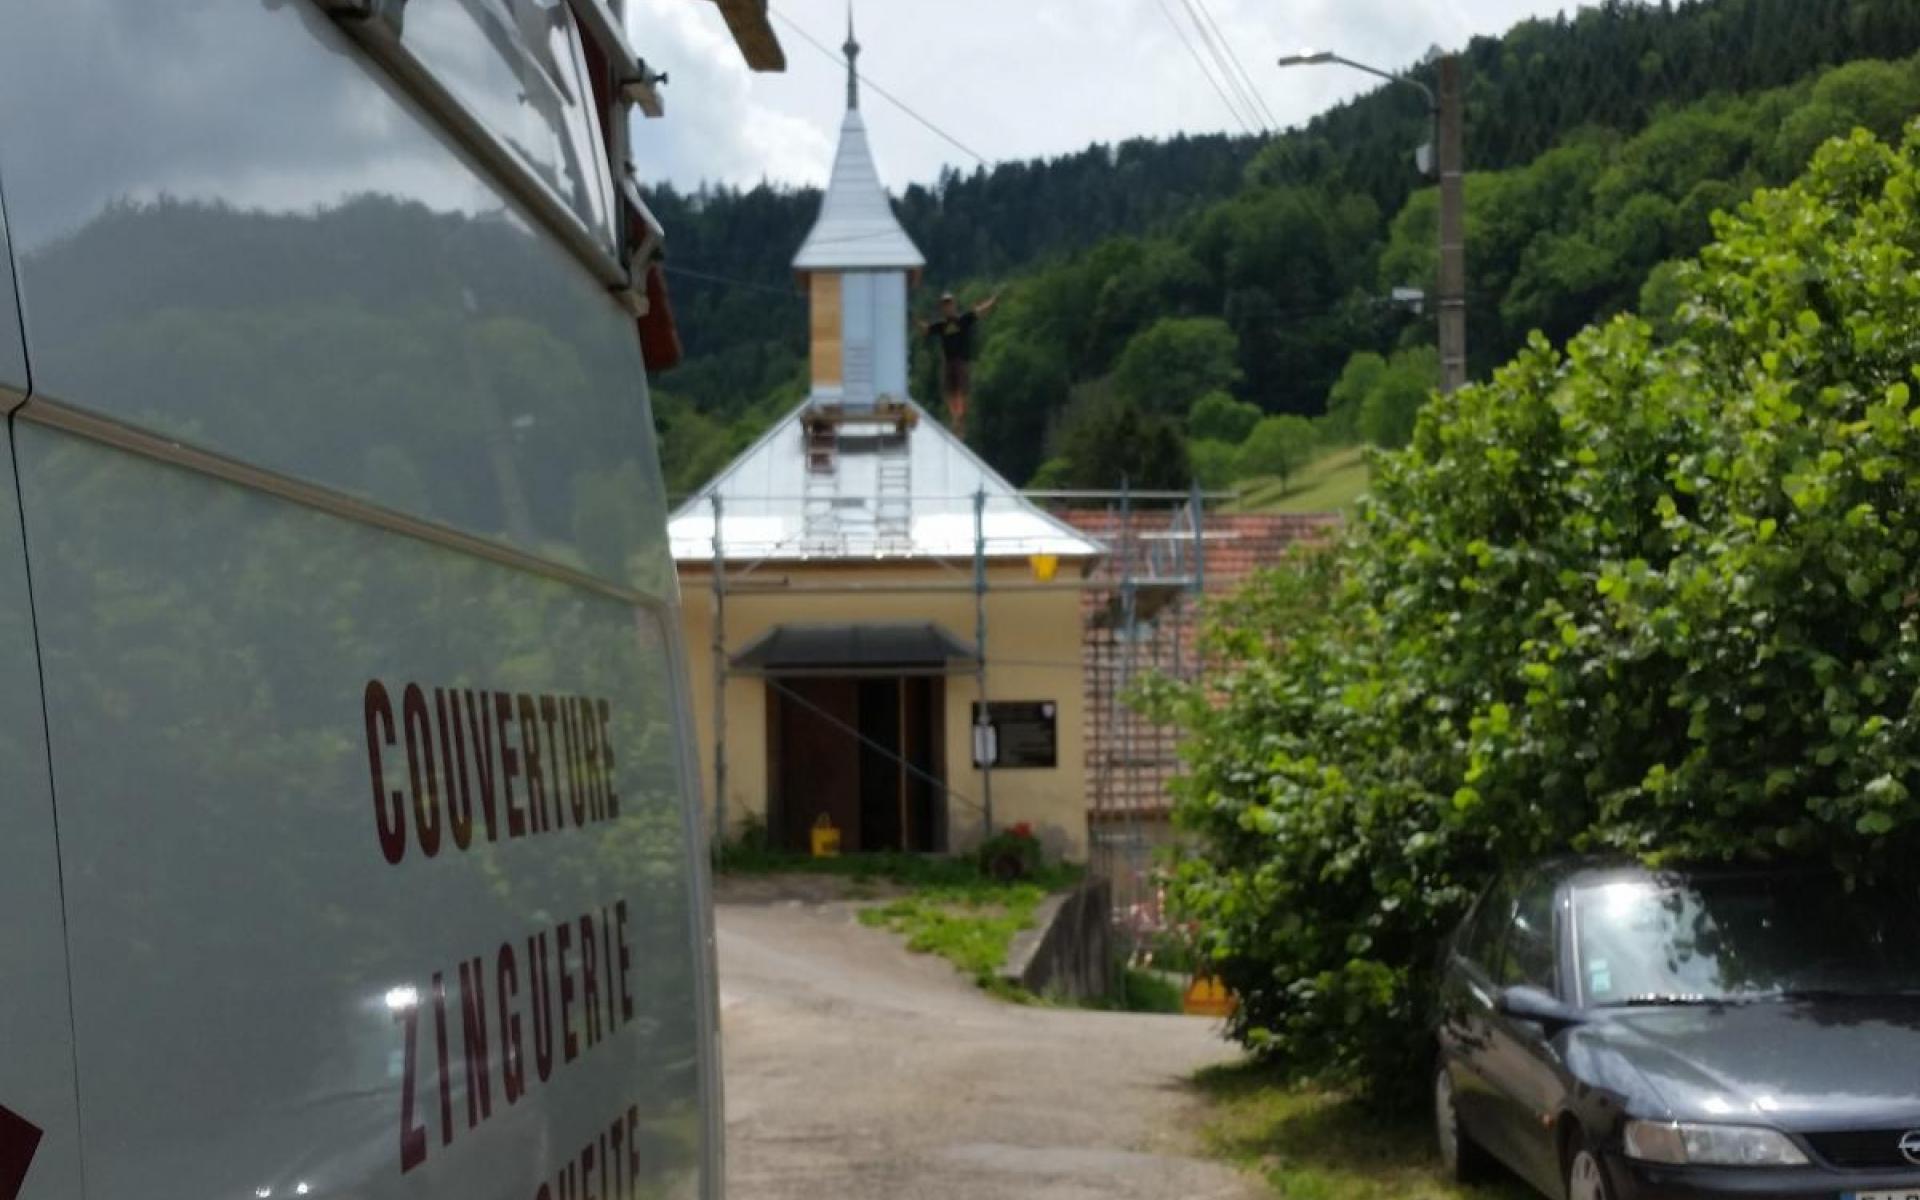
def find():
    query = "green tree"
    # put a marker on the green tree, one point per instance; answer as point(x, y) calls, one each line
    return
point(1278, 446)
point(1175, 361)
point(693, 446)
point(1390, 407)
point(1219, 417)
point(1216, 465)
point(1349, 395)
point(1651, 596)
point(1106, 439)
point(1018, 386)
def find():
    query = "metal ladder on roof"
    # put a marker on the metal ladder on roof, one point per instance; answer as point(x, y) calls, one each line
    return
point(893, 498)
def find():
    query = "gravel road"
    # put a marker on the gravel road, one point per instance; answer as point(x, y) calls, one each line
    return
point(856, 1071)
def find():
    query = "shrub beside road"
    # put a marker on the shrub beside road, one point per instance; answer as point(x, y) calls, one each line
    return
point(1652, 595)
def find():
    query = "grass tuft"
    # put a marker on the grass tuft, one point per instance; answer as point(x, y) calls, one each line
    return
point(1312, 1144)
point(971, 926)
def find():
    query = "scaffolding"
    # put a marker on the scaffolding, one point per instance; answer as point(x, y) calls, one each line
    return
point(1141, 617)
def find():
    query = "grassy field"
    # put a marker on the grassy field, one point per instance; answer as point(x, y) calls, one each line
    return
point(1314, 1145)
point(1331, 484)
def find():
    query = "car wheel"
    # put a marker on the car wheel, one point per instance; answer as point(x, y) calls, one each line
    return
point(1461, 1158)
point(1585, 1179)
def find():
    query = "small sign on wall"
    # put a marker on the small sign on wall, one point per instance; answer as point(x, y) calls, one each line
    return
point(1017, 735)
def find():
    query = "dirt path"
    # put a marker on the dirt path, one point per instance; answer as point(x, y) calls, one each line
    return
point(855, 1071)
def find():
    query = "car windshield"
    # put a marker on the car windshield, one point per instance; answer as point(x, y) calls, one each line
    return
point(1710, 938)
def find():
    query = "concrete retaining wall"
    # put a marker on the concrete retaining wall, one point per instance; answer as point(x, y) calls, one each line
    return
point(1069, 951)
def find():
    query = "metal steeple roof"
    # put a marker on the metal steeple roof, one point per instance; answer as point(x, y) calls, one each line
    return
point(857, 230)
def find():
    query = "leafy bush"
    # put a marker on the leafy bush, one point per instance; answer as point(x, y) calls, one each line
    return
point(1012, 854)
point(1655, 596)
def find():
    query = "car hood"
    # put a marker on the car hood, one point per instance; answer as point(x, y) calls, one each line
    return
point(1791, 1064)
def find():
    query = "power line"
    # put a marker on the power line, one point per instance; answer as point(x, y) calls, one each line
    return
point(884, 94)
point(1204, 70)
point(686, 273)
point(1252, 90)
point(1220, 58)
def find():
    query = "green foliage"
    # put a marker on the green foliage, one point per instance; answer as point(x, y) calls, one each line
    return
point(1016, 387)
point(1054, 474)
point(1600, 146)
point(1214, 465)
point(1652, 595)
point(1011, 854)
point(1334, 482)
point(1573, 235)
point(970, 927)
point(1278, 446)
point(1105, 439)
point(1389, 407)
point(1175, 361)
point(965, 914)
point(693, 446)
point(1141, 992)
point(1217, 416)
point(1318, 1145)
point(1358, 378)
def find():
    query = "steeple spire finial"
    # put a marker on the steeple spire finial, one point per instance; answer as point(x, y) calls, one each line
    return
point(852, 49)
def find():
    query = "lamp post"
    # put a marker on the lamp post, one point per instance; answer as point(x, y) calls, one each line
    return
point(1445, 109)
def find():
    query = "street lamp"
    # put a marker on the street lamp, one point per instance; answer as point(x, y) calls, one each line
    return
point(1324, 58)
point(1445, 109)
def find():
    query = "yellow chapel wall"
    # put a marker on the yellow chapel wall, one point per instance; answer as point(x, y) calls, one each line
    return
point(1033, 654)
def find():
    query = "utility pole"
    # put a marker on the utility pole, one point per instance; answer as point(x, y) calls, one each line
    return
point(1447, 109)
point(719, 676)
point(1451, 149)
point(983, 737)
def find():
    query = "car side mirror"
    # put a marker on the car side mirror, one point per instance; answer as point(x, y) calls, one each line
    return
point(1532, 1004)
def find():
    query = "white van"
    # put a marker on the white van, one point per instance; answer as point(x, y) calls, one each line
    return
point(347, 838)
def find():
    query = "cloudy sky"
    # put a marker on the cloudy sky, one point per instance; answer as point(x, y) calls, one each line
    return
point(1010, 79)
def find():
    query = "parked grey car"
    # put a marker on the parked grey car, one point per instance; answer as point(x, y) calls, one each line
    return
point(1609, 1032)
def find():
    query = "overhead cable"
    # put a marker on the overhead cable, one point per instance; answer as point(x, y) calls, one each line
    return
point(1218, 90)
point(884, 94)
point(1253, 91)
point(705, 277)
point(1221, 59)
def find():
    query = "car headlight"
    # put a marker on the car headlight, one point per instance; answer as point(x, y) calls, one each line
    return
point(1685, 1144)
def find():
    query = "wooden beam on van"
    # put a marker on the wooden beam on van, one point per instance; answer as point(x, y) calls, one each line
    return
point(747, 20)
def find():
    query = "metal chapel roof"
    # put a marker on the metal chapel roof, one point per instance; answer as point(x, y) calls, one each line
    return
point(765, 493)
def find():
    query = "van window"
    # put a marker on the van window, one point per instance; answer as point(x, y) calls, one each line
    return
point(518, 67)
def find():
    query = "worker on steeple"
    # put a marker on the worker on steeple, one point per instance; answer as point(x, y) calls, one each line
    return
point(954, 329)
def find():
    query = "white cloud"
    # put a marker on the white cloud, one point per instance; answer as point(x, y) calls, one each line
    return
point(1012, 79)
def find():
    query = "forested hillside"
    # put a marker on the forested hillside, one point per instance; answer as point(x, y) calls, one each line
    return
point(1142, 279)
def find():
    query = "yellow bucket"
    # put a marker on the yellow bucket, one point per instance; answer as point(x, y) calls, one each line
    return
point(826, 839)
point(1208, 997)
point(1044, 566)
